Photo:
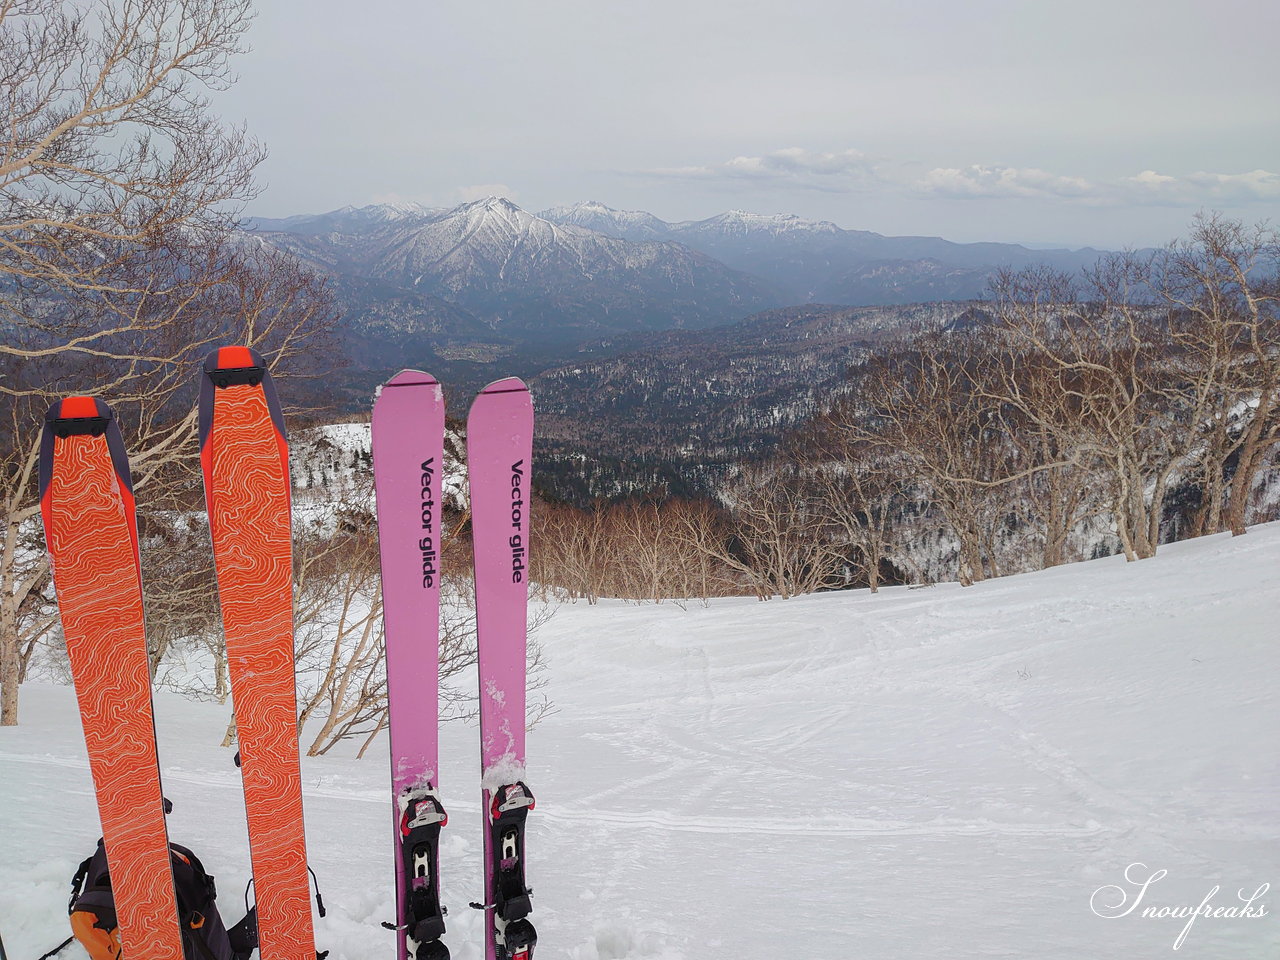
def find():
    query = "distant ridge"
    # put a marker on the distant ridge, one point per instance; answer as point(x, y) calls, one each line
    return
point(487, 279)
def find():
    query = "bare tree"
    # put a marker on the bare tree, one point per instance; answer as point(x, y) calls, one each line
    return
point(571, 553)
point(119, 189)
point(1104, 388)
point(1222, 290)
point(110, 141)
point(924, 404)
point(639, 549)
point(779, 536)
point(862, 490)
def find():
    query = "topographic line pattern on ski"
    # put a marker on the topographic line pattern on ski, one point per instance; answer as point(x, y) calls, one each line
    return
point(245, 459)
point(499, 457)
point(408, 461)
point(86, 499)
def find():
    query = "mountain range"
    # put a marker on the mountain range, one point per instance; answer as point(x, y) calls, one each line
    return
point(815, 261)
point(455, 289)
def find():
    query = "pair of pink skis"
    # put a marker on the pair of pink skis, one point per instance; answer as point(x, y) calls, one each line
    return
point(408, 459)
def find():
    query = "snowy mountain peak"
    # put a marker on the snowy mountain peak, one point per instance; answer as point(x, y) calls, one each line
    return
point(483, 252)
point(594, 206)
point(593, 215)
point(744, 221)
point(379, 212)
point(492, 203)
point(496, 210)
point(348, 219)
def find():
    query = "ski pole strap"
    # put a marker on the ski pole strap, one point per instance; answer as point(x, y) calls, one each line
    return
point(316, 883)
point(57, 949)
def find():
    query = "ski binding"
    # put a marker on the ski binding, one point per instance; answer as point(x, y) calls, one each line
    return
point(514, 937)
point(421, 817)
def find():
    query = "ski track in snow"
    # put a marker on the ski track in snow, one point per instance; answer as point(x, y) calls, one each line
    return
point(940, 773)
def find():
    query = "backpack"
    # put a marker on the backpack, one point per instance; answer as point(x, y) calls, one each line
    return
point(204, 936)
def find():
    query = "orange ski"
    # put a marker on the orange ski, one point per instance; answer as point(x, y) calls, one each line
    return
point(86, 499)
point(245, 458)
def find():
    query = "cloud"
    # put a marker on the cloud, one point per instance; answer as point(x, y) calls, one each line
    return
point(1202, 187)
point(1147, 187)
point(846, 171)
point(984, 181)
point(793, 167)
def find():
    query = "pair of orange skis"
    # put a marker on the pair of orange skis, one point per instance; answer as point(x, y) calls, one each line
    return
point(86, 499)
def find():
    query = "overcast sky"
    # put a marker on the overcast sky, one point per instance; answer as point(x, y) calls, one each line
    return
point(1105, 122)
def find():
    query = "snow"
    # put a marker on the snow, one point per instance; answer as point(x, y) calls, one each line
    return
point(505, 770)
point(593, 215)
point(945, 772)
point(743, 223)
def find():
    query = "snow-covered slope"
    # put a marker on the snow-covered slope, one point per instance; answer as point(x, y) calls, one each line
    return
point(939, 773)
point(593, 215)
point(493, 246)
point(347, 219)
point(493, 240)
point(743, 224)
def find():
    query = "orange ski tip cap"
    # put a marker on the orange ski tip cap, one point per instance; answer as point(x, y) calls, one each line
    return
point(78, 407)
point(235, 358)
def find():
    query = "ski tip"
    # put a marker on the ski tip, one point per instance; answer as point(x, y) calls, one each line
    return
point(509, 385)
point(78, 415)
point(74, 408)
point(234, 366)
point(412, 378)
point(232, 358)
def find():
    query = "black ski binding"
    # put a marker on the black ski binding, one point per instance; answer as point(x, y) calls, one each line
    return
point(513, 933)
point(421, 817)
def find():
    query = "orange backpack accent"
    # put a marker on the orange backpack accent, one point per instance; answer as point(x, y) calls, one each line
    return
point(100, 944)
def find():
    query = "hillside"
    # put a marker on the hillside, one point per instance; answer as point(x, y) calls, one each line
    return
point(678, 409)
point(942, 774)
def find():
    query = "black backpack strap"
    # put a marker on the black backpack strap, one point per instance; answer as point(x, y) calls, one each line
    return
point(208, 891)
point(77, 888)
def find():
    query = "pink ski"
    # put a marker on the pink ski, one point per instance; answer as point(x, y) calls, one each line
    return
point(408, 462)
point(499, 457)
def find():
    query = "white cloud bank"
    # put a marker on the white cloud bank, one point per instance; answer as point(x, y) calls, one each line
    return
point(984, 181)
point(793, 166)
point(1147, 187)
point(1218, 187)
point(851, 170)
